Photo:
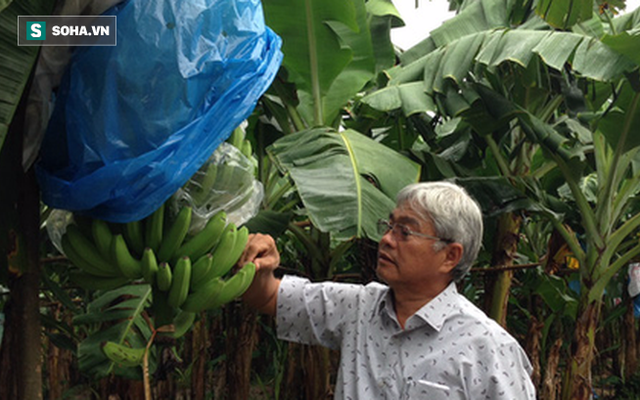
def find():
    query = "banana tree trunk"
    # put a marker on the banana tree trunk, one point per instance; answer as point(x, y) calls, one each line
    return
point(198, 355)
point(578, 383)
point(550, 383)
point(241, 322)
point(20, 242)
point(498, 285)
point(308, 373)
point(533, 347)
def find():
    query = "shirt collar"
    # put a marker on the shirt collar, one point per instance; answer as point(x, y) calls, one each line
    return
point(434, 313)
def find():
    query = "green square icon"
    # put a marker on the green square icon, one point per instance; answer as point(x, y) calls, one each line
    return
point(36, 30)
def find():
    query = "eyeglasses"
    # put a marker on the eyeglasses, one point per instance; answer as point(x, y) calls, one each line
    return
point(401, 232)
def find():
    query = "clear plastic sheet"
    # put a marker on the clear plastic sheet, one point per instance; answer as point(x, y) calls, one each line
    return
point(233, 189)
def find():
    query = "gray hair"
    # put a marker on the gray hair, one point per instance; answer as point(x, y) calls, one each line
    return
point(454, 215)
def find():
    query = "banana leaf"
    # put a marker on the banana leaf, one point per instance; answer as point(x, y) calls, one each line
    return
point(271, 222)
point(346, 180)
point(465, 44)
point(328, 51)
point(563, 14)
point(411, 98)
point(16, 61)
point(625, 43)
point(496, 195)
point(383, 16)
point(4, 4)
point(114, 316)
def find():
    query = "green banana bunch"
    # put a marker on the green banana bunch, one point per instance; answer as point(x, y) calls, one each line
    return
point(180, 282)
point(186, 271)
point(205, 240)
point(123, 355)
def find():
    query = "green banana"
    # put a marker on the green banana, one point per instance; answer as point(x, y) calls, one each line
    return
point(200, 193)
point(236, 138)
point(86, 250)
point(205, 295)
point(236, 285)
point(224, 178)
point(182, 323)
point(200, 268)
point(164, 276)
point(83, 264)
point(176, 234)
point(229, 256)
point(153, 229)
point(134, 236)
point(246, 148)
point(204, 240)
point(129, 266)
point(123, 355)
point(149, 265)
point(220, 256)
point(102, 237)
point(180, 282)
point(92, 282)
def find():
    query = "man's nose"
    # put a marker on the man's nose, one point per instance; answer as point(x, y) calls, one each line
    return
point(388, 239)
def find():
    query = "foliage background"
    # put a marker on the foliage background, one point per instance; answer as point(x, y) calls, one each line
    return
point(533, 106)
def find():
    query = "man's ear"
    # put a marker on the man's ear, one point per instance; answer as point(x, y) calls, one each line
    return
point(453, 256)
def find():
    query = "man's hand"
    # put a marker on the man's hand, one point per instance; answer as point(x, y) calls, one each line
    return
point(263, 292)
point(262, 251)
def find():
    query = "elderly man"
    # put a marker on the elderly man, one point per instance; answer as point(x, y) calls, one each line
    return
point(415, 337)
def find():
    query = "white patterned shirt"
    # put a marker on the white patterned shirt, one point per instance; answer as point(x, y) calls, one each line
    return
point(449, 349)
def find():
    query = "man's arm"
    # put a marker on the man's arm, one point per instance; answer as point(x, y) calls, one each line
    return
point(263, 292)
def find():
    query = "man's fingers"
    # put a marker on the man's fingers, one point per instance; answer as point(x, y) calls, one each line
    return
point(261, 250)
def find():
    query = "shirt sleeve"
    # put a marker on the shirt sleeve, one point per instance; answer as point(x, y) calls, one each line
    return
point(315, 313)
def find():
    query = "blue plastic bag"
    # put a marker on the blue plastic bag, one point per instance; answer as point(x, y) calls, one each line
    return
point(133, 122)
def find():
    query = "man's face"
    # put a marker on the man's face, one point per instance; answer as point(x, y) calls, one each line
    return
point(411, 261)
